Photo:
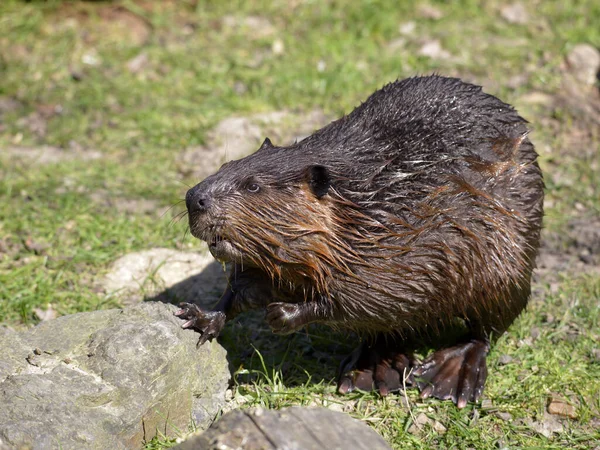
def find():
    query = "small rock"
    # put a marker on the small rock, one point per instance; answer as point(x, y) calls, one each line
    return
point(429, 12)
point(407, 28)
point(534, 333)
point(50, 155)
point(91, 58)
point(486, 404)
point(433, 49)
point(137, 64)
point(546, 427)
point(537, 98)
point(507, 417)
point(236, 137)
point(439, 427)
point(396, 44)
point(516, 81)
point(240, 88)
point(560, 407)
point(422, 419)
point(596, 354)
point(45, 314)
point(583, 62)
point(527, 342)
point(505, 359)
point(515, 13)
point(39, 248)
point(278, 47)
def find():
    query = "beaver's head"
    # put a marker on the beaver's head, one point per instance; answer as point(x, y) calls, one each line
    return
point(269, 210)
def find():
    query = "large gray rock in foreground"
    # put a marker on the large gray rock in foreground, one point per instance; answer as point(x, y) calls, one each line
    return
point(107, 379)
point(292, 428)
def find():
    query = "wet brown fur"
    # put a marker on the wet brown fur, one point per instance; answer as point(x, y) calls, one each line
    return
point(460, 245)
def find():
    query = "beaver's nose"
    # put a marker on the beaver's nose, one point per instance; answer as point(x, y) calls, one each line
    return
point(197, 200)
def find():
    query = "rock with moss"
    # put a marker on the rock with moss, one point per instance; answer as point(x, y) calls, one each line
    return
point(107, 379)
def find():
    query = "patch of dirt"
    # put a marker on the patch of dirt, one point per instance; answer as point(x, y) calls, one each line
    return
point(236, 137)
point(9, 104)
point(574, 250)
point(9, 248)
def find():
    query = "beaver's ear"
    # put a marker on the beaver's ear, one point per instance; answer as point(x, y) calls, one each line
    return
point(266, 144)
point(318, 180)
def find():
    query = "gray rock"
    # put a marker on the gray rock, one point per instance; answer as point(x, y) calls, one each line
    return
point(138, 63)
point(236, 137)
point(433, 49)
point(583, 62)
point(515, 13)
point(107, 379)
point(289, 428)
point(191, 277)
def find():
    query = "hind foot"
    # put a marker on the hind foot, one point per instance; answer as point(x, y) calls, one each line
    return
point(456, 373)
point(376, 367)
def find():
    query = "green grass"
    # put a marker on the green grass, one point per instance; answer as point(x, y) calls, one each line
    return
point(56, 240)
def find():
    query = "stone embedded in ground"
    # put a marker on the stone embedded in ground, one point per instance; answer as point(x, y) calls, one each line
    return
point(107, 379)
point(288, 428)
point(559, 406)
point(138, 63)
point(49, 155)
point(174, 275)
point(515, 13)
point(433, 49)
point(583, 62)
point(546, 426)
point(429, 12)
point(407, 28)
point(236, 137)
point(104, 198)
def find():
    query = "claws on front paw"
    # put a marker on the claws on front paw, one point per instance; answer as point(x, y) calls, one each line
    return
point(208, 323)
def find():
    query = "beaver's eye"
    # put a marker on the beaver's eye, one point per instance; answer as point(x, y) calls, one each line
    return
point(253, 187)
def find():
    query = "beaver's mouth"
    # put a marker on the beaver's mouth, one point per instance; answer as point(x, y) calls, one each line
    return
point(221, 248)
point(215, 240)
point(219, 244)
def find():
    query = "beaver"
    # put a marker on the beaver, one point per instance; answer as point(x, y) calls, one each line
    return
point(414, 221)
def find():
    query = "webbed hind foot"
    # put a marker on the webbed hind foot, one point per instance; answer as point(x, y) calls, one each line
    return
point(456, 373)
point(378, 367)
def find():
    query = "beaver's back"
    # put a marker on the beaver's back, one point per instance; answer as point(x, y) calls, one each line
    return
point(453, 195)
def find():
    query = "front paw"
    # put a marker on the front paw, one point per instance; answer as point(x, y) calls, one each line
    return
point(283, 318)
point(208, 323)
